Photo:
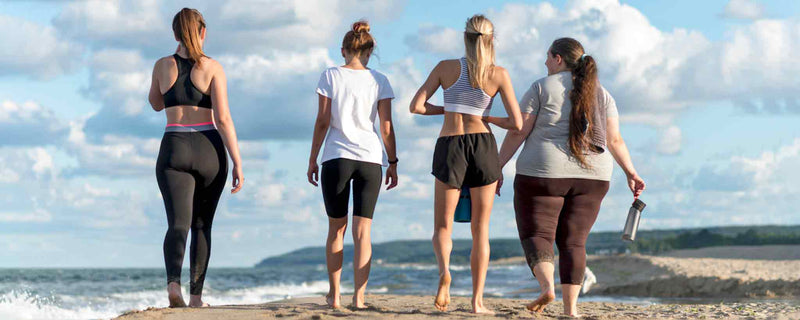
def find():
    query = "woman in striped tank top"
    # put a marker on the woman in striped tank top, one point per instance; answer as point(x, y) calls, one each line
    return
point(466, 151)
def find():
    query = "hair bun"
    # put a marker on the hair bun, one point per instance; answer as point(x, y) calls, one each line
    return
point(361, 26)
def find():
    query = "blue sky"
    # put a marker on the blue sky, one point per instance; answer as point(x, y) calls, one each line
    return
point(706, 91)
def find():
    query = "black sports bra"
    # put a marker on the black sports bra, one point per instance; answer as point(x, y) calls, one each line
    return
point(183, 92)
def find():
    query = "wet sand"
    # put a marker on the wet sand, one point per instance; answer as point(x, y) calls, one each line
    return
point(421, 307)
point(726, 279)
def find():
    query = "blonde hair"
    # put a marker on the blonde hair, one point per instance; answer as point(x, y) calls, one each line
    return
point(358, 40)
point(187, 26)
point(479, 45)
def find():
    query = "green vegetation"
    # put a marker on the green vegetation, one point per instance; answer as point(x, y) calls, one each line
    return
point(648, 242)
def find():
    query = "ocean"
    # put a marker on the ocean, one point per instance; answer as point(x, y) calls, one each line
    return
point(106, 293)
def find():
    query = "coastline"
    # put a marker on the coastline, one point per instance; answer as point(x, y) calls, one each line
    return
point(726, 284)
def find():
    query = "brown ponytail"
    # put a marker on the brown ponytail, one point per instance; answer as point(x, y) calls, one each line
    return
point(358, 40)
point(583, 95)
point(187, 26)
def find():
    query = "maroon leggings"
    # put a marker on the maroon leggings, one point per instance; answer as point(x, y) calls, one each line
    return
point(560, 210)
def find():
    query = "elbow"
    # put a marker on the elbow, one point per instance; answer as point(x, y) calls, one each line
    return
point(615, 141)
point(517, 126)
point(224, 122)
point(417, 108)
point(322, 126)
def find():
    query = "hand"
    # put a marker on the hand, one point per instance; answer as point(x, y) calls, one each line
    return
point(499, 185)
point(313, 173)
point(238, 179)
point(636, 184)
point(391, 176)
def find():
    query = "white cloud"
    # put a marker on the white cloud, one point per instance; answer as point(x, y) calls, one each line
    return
point(36, 50)
point(670, 141)
point(38, 215)
point(29, 123)
point(124, 23)
point(743, 9)
point(111, 155)
point(439, 40)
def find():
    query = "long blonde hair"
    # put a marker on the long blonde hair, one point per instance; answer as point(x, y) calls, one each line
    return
point(479, 45)
point(187, 26)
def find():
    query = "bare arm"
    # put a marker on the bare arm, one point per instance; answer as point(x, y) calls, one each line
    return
point(155, 97)
point(514, 139)
point(419, 104)
point(620, 152)
point(514, 120)
point(387, 133)
point(321, 126)
point(222, 117)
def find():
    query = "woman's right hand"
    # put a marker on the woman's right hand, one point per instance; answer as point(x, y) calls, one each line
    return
point(636, 184)
point(313, 173)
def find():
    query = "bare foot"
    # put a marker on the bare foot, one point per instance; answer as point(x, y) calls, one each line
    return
point(333, 301)
point(443, 295)
point(196, 301)
point(538, 305)
point(175, 296)
point(358, 301)
point(480, 309)
point(572, 315)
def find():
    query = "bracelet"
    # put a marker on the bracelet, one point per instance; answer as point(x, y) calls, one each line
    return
point(394, 161)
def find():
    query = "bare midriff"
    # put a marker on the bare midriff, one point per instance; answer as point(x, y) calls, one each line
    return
point(456, 124)
point(188, 115)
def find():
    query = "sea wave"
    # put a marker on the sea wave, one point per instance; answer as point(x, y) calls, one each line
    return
point(18, 305)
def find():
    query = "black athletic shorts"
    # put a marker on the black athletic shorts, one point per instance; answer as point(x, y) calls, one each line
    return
point(468, 160)
point(336, 176)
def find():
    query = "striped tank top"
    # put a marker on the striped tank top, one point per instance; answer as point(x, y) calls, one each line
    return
point(461, 97)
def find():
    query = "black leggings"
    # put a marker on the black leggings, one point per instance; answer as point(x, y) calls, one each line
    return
point(561, 210)
point(191, 170)
point(336, 176)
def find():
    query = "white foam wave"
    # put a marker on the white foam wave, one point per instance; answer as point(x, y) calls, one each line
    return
point(23, 305)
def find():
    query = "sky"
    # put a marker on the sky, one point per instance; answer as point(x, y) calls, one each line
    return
point(707, 93)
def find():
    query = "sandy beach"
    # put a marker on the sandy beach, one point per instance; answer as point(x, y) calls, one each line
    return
point(729, 283)
point(421, 307)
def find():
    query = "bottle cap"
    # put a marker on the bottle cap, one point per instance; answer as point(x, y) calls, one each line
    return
point(639, 205)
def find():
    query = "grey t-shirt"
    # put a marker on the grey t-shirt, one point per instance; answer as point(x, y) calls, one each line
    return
point(546, 150)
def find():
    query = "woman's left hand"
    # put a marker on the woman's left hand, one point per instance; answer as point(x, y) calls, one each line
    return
point(238, 179)
point(391, 176)
point(636, 184)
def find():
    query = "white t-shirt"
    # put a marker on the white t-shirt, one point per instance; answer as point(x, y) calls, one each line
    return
point(354, 98)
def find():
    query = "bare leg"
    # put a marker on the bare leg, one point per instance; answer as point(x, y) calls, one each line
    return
point(544, 274)
point(444, 207)
point(569, 294)
point(482, 201)
point(362, 258)
point(334, 255)
point(175, 296)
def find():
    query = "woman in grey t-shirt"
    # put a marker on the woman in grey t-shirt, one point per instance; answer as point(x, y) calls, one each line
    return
point(569, 123)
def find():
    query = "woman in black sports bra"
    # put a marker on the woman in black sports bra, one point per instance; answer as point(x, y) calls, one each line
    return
point(192, 163)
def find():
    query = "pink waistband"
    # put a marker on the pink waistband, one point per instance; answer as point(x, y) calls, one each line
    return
point(190, 125)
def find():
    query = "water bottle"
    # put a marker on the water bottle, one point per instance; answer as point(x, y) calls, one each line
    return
point(632, 223)
point(464, 207)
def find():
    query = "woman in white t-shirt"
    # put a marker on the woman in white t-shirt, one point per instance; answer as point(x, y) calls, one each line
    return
point(350, 98)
